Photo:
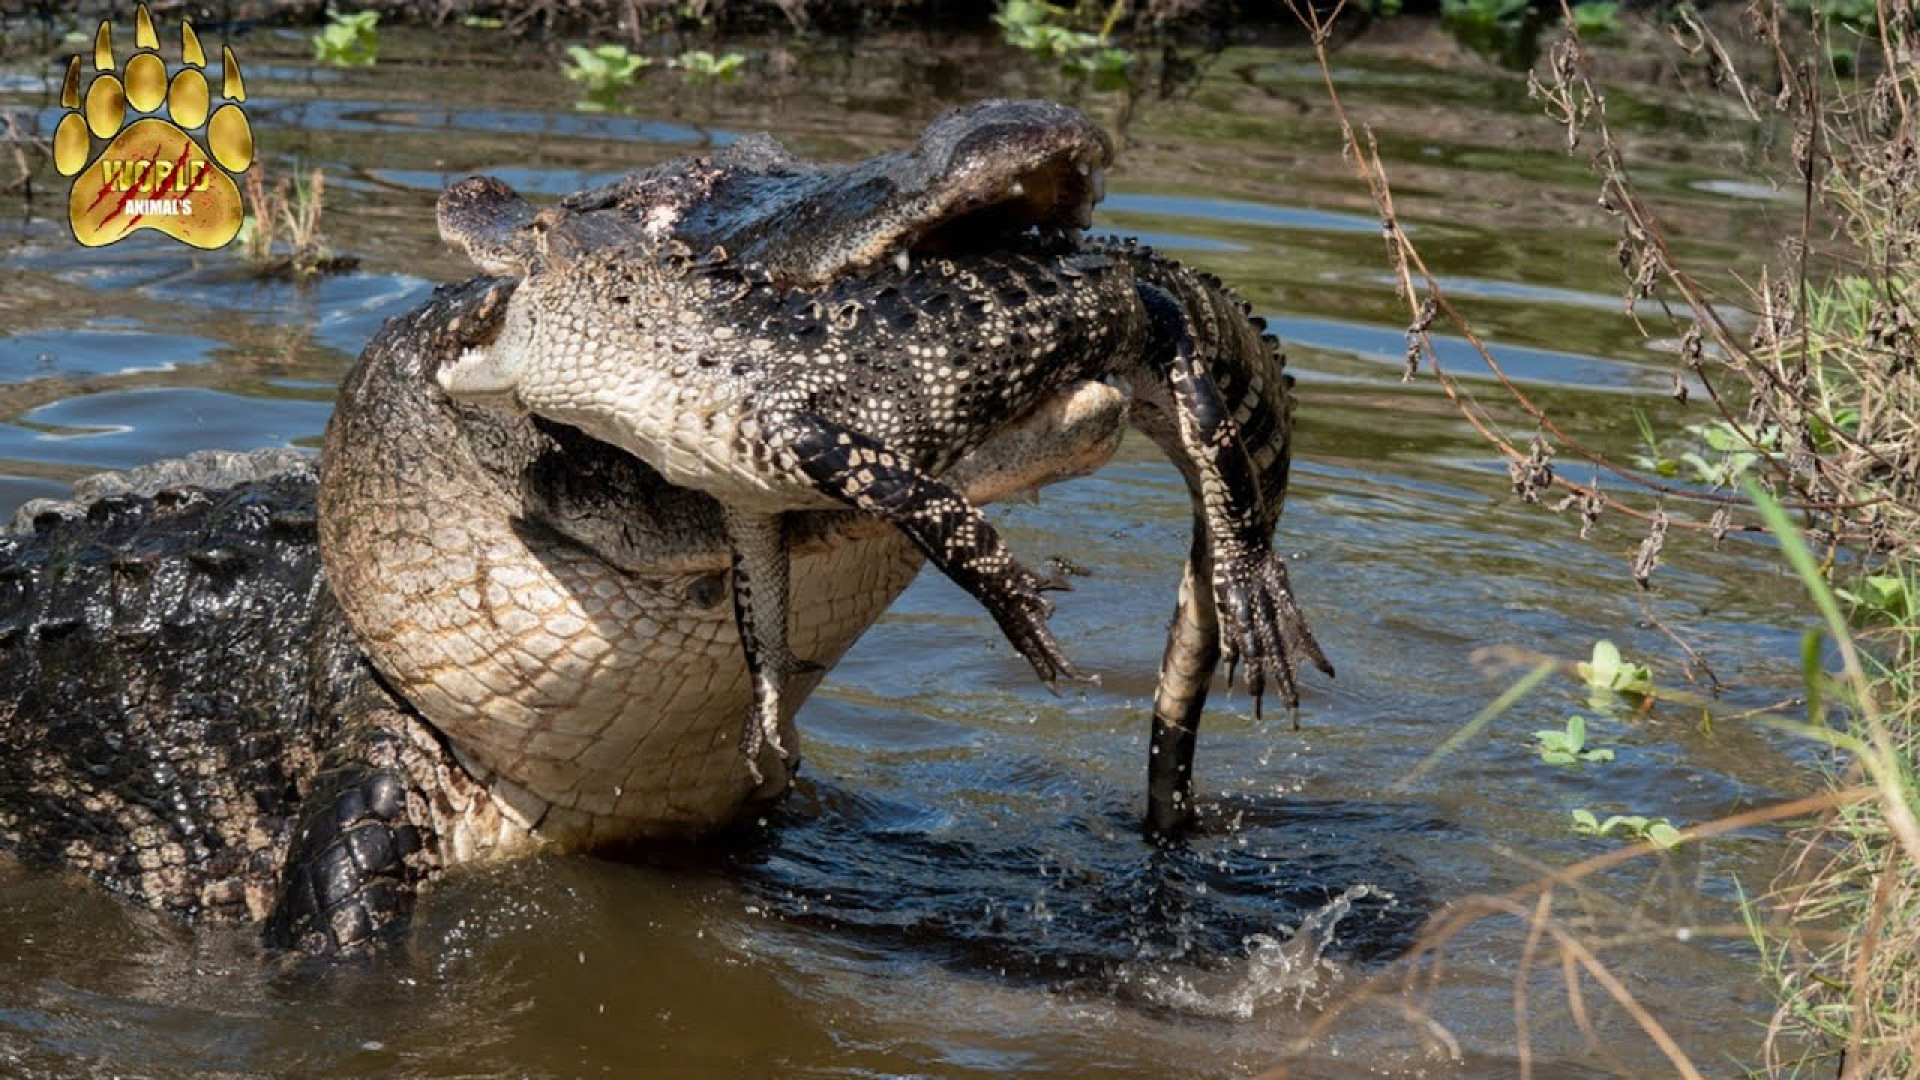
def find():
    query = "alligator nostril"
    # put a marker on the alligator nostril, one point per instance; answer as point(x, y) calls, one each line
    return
point(707, 591)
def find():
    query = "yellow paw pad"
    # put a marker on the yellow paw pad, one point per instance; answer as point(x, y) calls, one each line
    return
point(153, 173)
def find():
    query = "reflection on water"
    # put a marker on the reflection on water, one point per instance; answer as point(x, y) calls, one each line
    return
point(958, 887)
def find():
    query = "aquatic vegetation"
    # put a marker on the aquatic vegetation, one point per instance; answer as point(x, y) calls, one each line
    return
point(1881, 599)
point(1739, 447)
point(282, 237)
point(348, 40)
point(1568, 745)
point(603, 72)
point(1656, 831)
point(700, 65)
point(1608, 675)
point(1046, 31)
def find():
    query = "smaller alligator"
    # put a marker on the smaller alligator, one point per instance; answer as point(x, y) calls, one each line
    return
point(810, 359)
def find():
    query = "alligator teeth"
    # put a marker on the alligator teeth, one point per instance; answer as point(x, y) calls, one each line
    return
point(1083, 216)
point(1082, 166)
point(901, 261)
point(1018, 190)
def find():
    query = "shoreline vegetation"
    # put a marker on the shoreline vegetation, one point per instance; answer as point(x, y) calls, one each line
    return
point(1806, 386)
point(1809, 430)
point(627, 20)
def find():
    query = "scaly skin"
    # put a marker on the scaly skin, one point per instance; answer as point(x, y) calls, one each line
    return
point(1248, 416)
point(181, 702)
point(186, 717)
point(561, 612)
point(775, 393)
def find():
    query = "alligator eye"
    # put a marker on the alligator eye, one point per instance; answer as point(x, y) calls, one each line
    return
point(708, 591)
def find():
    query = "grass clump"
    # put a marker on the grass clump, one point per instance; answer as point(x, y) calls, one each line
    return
point(282, 236)
point(1836, 367)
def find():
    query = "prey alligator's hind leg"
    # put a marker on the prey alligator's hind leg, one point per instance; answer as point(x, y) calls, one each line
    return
point(862, 472)
point(760, 600)
point(1262, 630)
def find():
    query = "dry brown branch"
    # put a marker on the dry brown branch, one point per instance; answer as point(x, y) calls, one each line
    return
point(1429, 952)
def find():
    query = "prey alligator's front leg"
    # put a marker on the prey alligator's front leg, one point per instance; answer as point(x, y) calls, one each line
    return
point(862, 472)
point(760, 600)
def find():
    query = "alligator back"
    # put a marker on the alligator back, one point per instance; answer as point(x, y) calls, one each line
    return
point(161, 657)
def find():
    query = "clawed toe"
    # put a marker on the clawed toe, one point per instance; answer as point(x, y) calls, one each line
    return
point(1263, 633)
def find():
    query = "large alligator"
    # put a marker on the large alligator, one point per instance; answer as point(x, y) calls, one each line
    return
point(294, 699)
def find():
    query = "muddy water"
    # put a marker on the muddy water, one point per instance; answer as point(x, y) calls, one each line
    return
point(958, 888)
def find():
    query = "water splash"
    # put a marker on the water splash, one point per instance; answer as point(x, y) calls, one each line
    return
point(1291, 962)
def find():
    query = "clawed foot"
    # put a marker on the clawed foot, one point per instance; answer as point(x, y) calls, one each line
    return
point(763, 718)
point(1022, 614)
point(1262, 631)
point(762, 730)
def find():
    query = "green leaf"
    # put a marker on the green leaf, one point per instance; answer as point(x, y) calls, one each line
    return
point(1811, 673)
point(1600, 670)
point(1663, 835)
point(1569, 747)
point(348, 40)
point(1607, 673)
point(1658, 831)
point(1879, 598)
point(1634, 824)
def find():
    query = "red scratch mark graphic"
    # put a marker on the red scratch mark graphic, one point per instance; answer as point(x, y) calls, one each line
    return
point(133, 192)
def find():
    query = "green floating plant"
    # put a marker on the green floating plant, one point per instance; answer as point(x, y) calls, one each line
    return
point(1609, 676)
point(701, 65)
point(1569, 745)
point(603, 71)
point(348, 40)
point(1657, 831)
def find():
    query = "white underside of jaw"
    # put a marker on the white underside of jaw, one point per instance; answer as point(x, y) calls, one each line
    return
point(480, 374)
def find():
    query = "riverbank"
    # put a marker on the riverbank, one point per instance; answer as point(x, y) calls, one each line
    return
point(607, 17)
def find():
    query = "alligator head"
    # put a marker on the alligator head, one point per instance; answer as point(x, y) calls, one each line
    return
point(983, 178)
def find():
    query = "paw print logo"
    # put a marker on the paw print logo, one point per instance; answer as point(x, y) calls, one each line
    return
point(152, 172)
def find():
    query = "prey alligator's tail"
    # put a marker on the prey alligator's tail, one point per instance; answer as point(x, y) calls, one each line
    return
point(1218, 400)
